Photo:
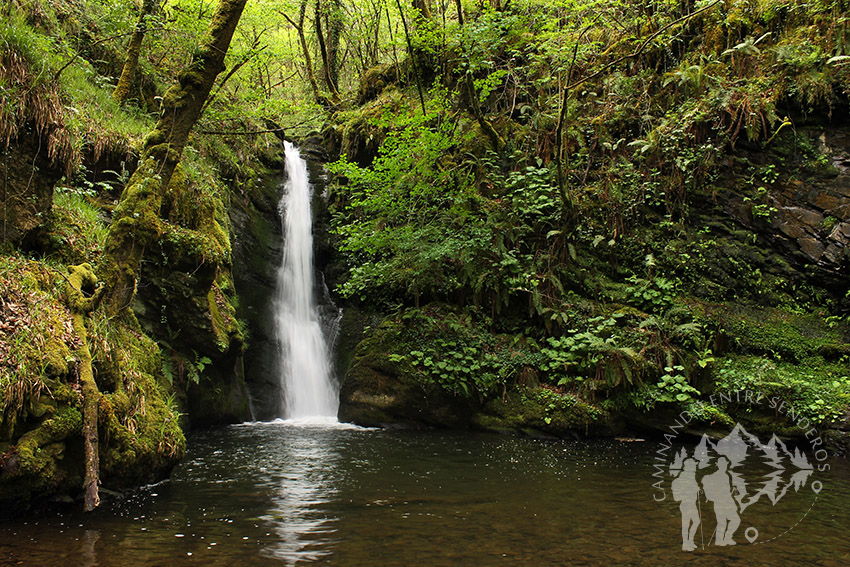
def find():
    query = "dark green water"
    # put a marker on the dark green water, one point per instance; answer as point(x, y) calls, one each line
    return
point(271, 494)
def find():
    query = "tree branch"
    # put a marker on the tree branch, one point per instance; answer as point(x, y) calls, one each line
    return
point(642, 46)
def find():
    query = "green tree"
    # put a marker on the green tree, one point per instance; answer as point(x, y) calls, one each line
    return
point(131, 63)
point(136, 220)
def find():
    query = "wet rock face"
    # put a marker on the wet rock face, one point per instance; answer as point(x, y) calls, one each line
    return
point(816, 213)
point(26, 188)
point(257, 252)
point(181, 305)
point(806, 215)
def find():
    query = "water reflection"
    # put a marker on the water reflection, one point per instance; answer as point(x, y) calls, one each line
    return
point(88, 548)
point(273, 494)
point(303, 485)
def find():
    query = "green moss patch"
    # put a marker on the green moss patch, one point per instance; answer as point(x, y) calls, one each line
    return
point(783, 334)
point(816, 389)
point(544, 409)
point(37, 339)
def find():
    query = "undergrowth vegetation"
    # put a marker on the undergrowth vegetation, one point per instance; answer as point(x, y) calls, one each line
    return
point(573, 177)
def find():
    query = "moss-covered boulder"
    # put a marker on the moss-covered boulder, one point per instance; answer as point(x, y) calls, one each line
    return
point(546, 411)
point(379, 391)
point(41, 424)
point(358, 133)
point(375, 80)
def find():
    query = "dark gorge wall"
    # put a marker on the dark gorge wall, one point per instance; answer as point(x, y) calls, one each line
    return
point(27, 176)
point(257, 252)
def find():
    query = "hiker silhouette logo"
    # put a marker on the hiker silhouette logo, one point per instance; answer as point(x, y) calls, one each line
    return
point(728, 488)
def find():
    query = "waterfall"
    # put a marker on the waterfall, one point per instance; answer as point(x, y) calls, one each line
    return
point(305, 373)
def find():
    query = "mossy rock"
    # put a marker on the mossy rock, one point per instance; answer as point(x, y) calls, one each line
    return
point(362, 131)
point(377, 391)
point(375, 80)
point(546, 411)
point(789, 335)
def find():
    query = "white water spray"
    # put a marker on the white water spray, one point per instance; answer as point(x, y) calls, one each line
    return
point(307, 388)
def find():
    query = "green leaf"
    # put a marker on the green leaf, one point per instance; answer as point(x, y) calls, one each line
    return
point(838, 60)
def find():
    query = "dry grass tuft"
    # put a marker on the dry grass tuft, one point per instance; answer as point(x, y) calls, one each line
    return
point(30, 95)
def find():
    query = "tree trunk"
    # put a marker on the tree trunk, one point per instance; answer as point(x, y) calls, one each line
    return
point(412, 55)
point(424, 8)
point(323, 50)
point(308, 61)
point(82, 298)
point(131, 64)
point(136, 218)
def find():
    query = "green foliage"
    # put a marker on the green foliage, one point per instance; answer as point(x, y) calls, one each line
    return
point(196, 368)
point(600, 356)
point(405, 223)
point(817, 389)
point(655, 295)
point(78, 231)
point(457, 354)
point(460, 370)
point(674, 387)
point(184, 369)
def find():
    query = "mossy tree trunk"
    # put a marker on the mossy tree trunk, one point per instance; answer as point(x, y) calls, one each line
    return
point(131, 64)
point(82, 298)
point(136, 221)
point(334, 21)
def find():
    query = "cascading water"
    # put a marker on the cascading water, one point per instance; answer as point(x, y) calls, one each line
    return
point(307, 388)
